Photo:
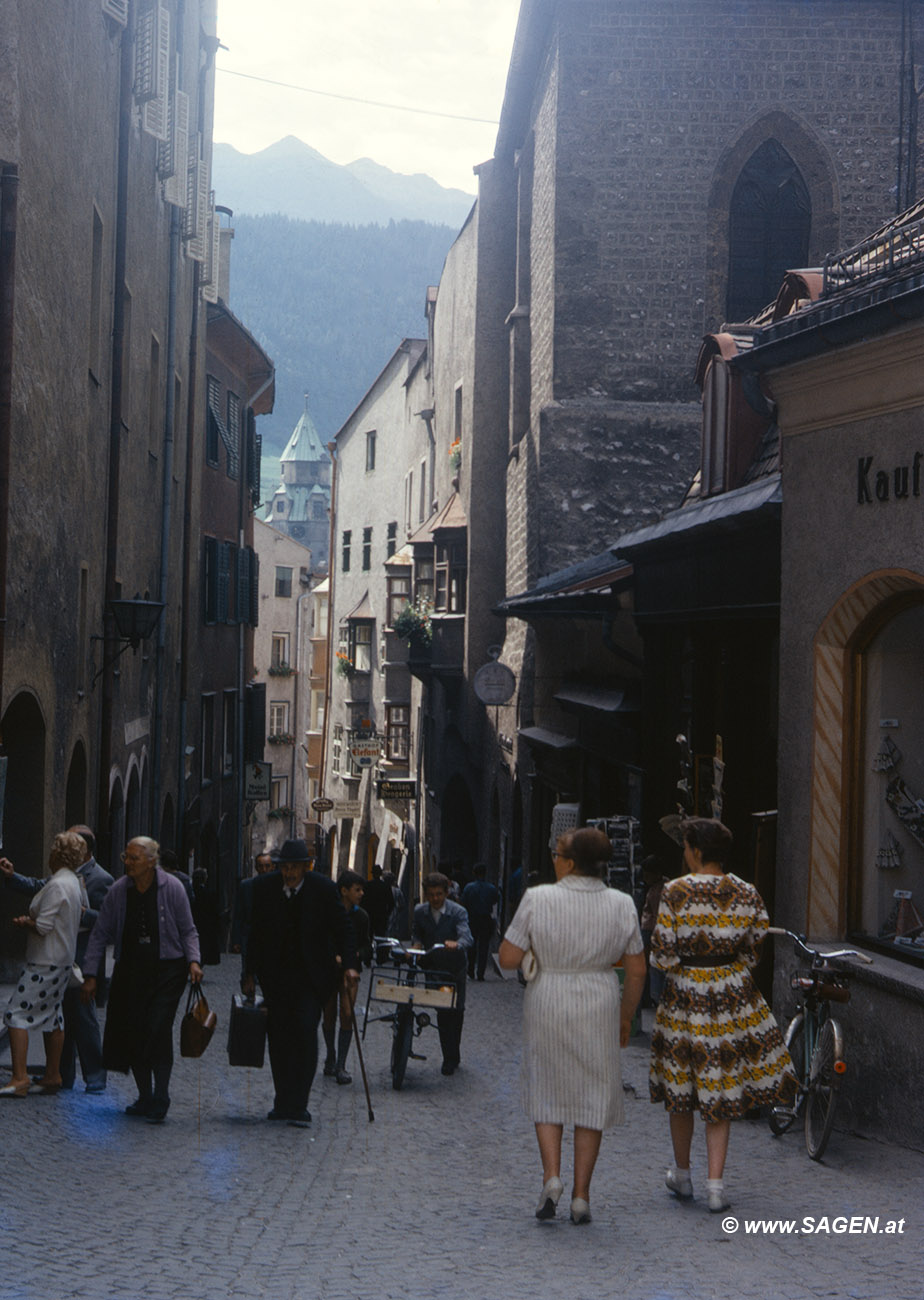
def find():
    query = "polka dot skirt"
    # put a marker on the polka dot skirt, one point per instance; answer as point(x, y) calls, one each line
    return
point(36, 1001)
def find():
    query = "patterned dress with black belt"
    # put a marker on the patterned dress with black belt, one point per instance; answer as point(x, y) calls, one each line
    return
point(715, 1047)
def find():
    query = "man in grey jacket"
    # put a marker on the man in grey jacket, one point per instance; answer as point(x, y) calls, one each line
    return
point(441, 921)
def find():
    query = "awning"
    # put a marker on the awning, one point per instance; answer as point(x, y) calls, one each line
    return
point(451, 516)
point(582, 588)
point(715, 514)
point(551, 739)
point(361, 611)
point(598, 699)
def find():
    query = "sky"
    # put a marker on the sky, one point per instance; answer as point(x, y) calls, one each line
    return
point(446, 56)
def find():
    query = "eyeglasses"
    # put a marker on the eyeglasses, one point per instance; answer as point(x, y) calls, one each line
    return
point(564, 857)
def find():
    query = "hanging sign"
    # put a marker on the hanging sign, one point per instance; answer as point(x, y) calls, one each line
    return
point(366, 749)
point(494, 683)
point(257, 780)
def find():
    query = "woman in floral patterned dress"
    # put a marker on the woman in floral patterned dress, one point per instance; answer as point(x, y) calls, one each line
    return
point(716, 1047)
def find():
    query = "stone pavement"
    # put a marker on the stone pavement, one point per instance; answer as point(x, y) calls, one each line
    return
point(432, 1201)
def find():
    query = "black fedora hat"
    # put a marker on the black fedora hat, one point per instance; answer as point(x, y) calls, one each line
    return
point(294, 851)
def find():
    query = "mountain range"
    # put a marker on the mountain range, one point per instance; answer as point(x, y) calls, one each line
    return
point(291, 178)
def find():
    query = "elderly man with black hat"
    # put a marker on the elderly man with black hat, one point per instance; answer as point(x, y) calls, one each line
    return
point(301, 938)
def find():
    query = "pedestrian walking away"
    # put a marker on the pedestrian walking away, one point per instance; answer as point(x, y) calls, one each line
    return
point(715, 1047)
point(481, 900)
point(299, 930)
point(52, 924)
point(574, 1021)
point(147, 918)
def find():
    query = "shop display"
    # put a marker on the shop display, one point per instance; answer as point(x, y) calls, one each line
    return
point(889, 756)
point(624, 870)
point(908, 809)
point(890, 855)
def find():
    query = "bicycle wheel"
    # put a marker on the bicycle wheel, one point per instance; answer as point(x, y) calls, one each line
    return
point(823, 1086)
point(401, 1044)
point(782, 1118)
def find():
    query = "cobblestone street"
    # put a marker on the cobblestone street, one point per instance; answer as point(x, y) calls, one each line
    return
point(433, 1199)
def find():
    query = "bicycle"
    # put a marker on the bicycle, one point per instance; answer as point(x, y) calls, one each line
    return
point(408, 984)
point(815, 1041)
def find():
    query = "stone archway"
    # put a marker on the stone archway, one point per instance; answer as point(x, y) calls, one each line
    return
point(848, 627)
point(23, 730)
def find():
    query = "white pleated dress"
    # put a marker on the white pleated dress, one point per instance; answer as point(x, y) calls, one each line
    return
point(578, 929)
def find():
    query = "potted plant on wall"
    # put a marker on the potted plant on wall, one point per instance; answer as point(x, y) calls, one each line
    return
point(413, 625)
point(345, 666)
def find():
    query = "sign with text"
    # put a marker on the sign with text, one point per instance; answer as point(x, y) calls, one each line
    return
point(494, 683)
point(397, 789)
point(366, 749)
point(347, 808)
point(322, 805)
point(257, 780)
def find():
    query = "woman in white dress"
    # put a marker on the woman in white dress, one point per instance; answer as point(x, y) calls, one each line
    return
point(573, 1024)
point(52, 923)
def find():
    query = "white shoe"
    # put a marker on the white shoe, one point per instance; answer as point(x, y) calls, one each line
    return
point(717, 1200)
point(680, 1187)
point(580, 1210)
point(549, 1198)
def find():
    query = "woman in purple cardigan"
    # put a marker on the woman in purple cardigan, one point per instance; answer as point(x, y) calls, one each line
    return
point(147, 918)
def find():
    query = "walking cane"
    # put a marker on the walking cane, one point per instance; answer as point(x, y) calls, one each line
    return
point(359, 1050)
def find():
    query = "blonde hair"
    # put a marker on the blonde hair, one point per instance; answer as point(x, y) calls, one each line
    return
point(68, 849)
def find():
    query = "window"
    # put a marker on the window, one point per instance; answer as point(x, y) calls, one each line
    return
point(423, 580)
point(391, 541)
point(399, 595)
point(361, 646)
point(348, 767)
point(397, 732)
point(409, 501)
point(219, 563)
point(450, 576)
point(422, 511)
point(208, 737)
point(345, 550)
point(337, 748)
point(213, 425)
point(457, 413)
point(229, 712)
point(367, 549)
point(317, 711)
point(279, 718)
point(279, 653)
point(279, 792)
point(283, 581)
point(370, 451)
point(769, 222)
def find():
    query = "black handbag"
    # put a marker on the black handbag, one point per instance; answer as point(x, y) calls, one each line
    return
point(198, 1023)
point(247, 1031)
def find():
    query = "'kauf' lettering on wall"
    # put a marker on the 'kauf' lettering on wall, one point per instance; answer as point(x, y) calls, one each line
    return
point(888, 484)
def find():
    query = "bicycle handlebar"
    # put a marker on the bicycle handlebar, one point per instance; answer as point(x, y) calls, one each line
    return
point(813, 953)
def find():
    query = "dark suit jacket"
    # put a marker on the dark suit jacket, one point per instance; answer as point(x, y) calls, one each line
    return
point(453, 924)
point(324, 931)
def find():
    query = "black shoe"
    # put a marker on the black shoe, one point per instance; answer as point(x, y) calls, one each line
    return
point(330, 1069)
point(157, 1112)
point(343, 1077)
point(446, 1068)
point(301, 1119)
point(277, 1114)
point(139, 1108)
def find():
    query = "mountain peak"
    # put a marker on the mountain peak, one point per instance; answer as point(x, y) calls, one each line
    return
point(292, 178)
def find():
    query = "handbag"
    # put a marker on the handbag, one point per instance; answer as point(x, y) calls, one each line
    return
point(529, 967)
point(247, 1031)
point(198, 1023)
point(75, 977)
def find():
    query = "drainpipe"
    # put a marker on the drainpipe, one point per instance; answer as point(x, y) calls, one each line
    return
point(190, 557)
point(9, 185)
point(332, 451)
point(117, 359)
point(299, 658)
point(167, 492)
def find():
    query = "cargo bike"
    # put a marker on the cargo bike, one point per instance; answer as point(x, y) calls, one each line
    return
point(412, 982)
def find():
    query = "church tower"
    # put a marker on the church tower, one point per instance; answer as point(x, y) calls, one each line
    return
point(301, 504)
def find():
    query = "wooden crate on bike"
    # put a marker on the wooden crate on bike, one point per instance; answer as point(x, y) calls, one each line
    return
point(392, 988)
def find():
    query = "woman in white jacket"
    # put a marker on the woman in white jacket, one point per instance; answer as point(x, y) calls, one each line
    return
point(52, 923)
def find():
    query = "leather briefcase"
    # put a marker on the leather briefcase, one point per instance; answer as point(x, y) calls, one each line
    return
point(247, 1031)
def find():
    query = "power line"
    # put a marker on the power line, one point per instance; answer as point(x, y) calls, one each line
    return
point(353, 99)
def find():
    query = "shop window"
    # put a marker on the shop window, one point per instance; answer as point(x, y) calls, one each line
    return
point(399, 596)
point(450, 572)
point(397, 732)
point(888, 896)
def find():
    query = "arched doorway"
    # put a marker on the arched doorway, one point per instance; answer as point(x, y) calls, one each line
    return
point(75, 792)
point(841, 644)
point(24, 803)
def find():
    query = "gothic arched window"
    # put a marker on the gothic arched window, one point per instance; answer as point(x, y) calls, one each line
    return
point(769, 222)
